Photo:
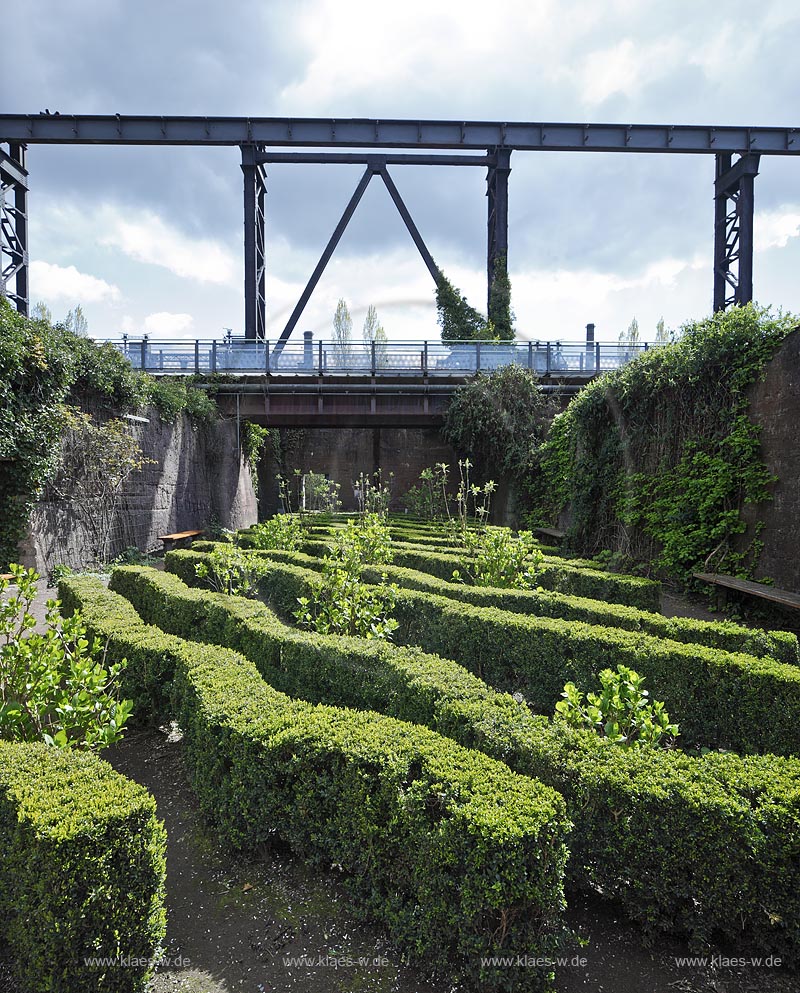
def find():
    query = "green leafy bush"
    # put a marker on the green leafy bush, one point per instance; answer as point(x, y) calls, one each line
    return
point(231, 570)
point(497, 557)
point(283, 531)
point(621, 713)
point(339, 603)
point(82, 866)
point(458, 856)
point(702, 844)
point(54, 687)
point(497, 419)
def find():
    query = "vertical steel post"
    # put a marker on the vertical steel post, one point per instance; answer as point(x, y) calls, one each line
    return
point(254, 245)
point(196, 356)
point(214, 355)
point(14, 227)
point(721, 259)
point(497, 214)
point(745, 207)
point(733, 229)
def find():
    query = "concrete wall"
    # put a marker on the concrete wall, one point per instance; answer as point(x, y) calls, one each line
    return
point(775, 407)
point(197, 475)
point(343, 453)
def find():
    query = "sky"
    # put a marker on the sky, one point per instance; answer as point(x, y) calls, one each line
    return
point(149, 240)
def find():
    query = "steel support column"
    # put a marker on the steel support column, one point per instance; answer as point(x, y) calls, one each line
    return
point(733, 230)
point(255, 308)
point(14, 227)
point(497, 227)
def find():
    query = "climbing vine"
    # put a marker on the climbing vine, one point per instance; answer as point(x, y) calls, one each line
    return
point(496, 419)
point(254, 441)
point(658, 459)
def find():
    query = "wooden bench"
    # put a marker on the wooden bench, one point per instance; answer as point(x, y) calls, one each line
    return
point(783, 597)
point(552, 533)
point(181, 539)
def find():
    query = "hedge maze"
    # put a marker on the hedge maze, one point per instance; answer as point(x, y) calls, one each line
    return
point(430, 769)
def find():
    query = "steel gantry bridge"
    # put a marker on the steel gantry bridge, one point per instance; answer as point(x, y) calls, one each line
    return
point(379, 144)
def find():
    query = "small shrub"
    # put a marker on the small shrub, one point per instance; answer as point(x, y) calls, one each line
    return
point(429, 499)
point(501, 559)
point(231, 570)
point(54, 687)
point(283, 531)
point(621, 713)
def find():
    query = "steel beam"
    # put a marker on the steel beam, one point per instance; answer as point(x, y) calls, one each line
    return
point(497, 214)
point(422, 248)
point(14, 227)
point(365, 158)
point(255, 306)
point(733, 230)
point(369, 133)
point(325, 258)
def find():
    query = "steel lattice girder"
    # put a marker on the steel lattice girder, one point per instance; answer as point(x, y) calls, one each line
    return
point(14, 227)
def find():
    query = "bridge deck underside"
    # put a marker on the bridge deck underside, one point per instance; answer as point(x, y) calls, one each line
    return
point(352, 401)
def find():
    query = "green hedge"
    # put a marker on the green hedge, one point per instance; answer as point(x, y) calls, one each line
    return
point(730, 637)
point(698, 844)
point(458, 856)
point(720, 699)
point(82, 864)
point(561, 577)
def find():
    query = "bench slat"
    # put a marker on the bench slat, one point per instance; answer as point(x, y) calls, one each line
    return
point(783, 597)
point(178, 535)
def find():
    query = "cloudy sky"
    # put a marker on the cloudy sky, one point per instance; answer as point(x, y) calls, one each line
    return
point(150, 239)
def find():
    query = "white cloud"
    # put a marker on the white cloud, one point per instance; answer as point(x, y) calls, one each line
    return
point(55, 282)
point(164, 323)
point(626, 67)
point(774, 228)
point(148, 238)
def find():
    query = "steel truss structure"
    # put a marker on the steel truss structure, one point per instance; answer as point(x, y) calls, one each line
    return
point(14, 227)
point(257, 137)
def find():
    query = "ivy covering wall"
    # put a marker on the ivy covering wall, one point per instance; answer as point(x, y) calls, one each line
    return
point(43, 368)
point(657, 460)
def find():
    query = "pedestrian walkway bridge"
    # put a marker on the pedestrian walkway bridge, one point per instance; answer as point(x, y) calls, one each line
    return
point(385, 384)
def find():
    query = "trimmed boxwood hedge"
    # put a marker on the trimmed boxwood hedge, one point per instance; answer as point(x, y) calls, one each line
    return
point(720, 699)
point(697, 844)
point(559, 576)
point(82, 865)
point(459, 857)
point(730, 637)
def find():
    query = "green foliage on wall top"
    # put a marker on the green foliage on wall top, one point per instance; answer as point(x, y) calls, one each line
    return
point(658, 459)
point(42, 366)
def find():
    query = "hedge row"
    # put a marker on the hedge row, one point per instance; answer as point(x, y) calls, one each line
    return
point(720, 699)
point(460, 857)
point(725, 635)
point(82, 864)
point(698, 844)
point(561, 577)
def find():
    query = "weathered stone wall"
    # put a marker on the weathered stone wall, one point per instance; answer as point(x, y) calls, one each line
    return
point(343, 453)
point(775, 408)
point(197, 476)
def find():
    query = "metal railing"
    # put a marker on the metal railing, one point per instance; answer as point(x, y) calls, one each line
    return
point(414, 358)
